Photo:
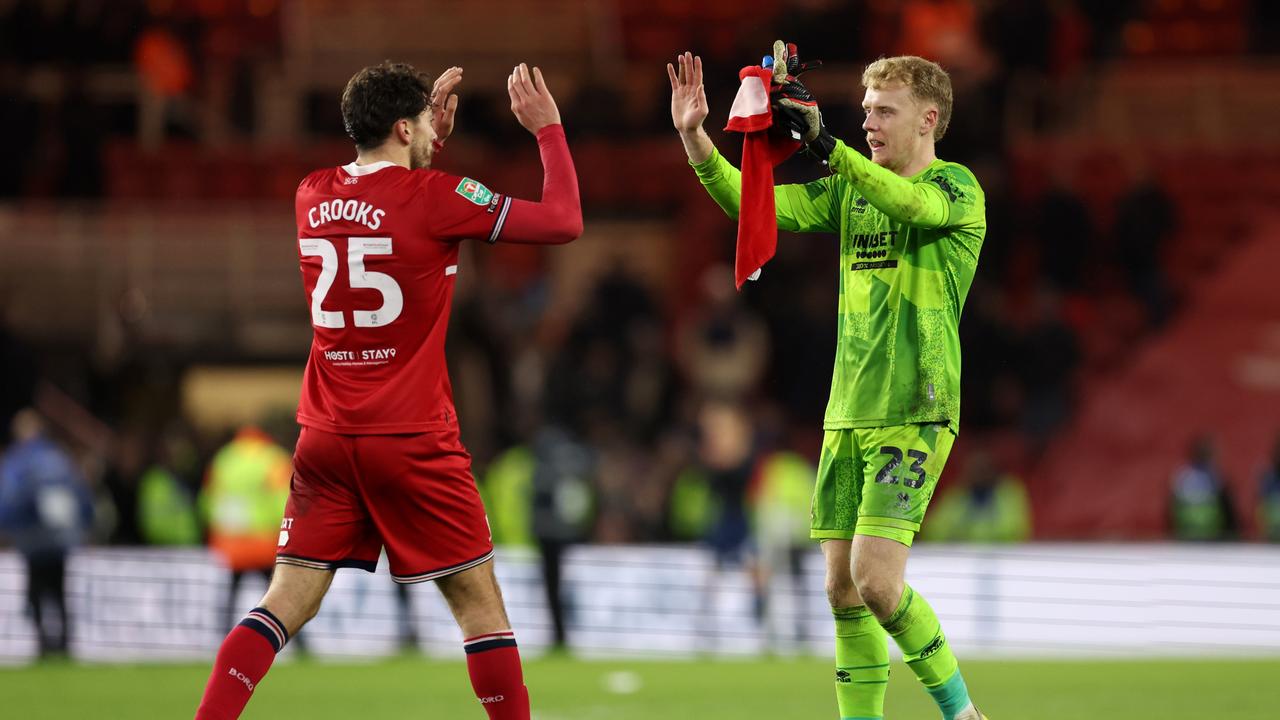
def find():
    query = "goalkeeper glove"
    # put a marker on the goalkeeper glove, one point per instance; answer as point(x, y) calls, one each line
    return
point(794, 105)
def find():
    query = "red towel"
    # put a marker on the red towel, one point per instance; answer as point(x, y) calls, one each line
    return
point(761, 152)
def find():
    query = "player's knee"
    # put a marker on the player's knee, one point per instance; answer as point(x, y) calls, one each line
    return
point(841, 591)
point(878, 590)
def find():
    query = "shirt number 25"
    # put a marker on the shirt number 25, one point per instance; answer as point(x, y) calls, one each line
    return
point(357, 277)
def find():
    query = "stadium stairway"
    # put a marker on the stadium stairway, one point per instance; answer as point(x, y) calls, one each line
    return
point(1215, 369)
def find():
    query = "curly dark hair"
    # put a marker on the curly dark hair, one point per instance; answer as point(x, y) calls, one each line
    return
point(378, 96)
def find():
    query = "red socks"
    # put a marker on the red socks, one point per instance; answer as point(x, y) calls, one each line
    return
point(243, 660)
point(493, 662)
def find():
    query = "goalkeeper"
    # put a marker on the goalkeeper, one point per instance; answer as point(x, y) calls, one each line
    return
point(910, 228)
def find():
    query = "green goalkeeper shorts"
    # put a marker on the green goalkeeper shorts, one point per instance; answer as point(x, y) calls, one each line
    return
point(878, 481)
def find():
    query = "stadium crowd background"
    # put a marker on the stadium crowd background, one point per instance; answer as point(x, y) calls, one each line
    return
point(151, 304)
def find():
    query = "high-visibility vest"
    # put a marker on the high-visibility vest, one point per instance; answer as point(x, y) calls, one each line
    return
point(246, 488)
point(1197, 505)
point(1004, 516)
point(783, 497)
point(507, 492)
point(166, 513)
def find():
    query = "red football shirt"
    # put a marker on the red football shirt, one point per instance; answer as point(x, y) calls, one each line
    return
point(378, 245)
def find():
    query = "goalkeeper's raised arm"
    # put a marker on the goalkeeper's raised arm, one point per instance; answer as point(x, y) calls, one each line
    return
point(689, 107)
point(800, 208)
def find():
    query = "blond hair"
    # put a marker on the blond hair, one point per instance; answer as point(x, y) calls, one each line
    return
point(927, 81)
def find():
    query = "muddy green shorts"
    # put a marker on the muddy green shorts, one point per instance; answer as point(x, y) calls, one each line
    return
point(878, 481)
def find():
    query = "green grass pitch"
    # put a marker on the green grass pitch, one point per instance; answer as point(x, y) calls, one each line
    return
point(567, 689)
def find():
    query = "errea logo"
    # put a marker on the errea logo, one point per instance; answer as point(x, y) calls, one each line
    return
point(492, 699)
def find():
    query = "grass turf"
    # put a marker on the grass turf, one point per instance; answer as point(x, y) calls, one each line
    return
point(567, 689)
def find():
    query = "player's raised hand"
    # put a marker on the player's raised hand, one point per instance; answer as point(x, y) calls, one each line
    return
point(688, 97)
point(531, 101)
point(445, 102)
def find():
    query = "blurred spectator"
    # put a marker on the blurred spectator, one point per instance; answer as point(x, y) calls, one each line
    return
point(480, 333)
point(123, 472)
point(166, 502)
point(1199, 507)
point(1146, 221)
point(650, 383)
point(166, 70)
point(1004, 223)
point(46, 509)
point(1047, 354)
point(990, 393)
point(690, 510)
point(1069, 41)
point(1065, 232)
point(781, 499)
point(945, 31)
point(507, 492)
point(542, 494)
point(801, 317)
point(723, 349)
point(822, 28)
point(243, 502)
point(406, 628)
point(1019, 32)
point(614, 363)
point(726, 457)
point(633, 483)
point(1269, 497)
point(563, 473)
point(990, 506)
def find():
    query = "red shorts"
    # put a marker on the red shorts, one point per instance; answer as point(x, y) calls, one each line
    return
point(414, 494)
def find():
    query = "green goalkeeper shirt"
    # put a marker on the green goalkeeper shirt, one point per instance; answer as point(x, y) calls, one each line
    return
point(908, 252)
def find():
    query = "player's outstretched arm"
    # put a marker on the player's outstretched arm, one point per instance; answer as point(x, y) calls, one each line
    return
point(689, 107)
point(689, 110)
point(557, 218)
